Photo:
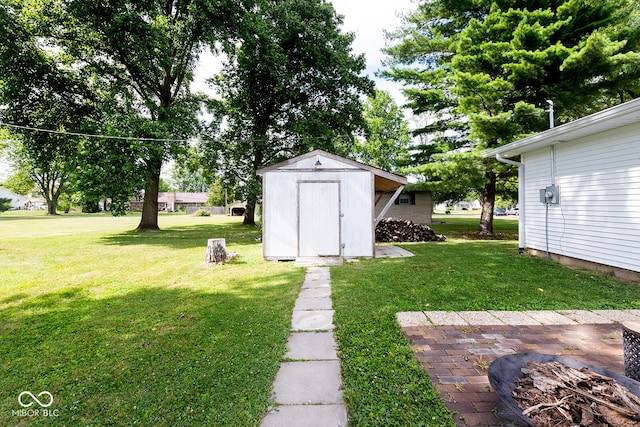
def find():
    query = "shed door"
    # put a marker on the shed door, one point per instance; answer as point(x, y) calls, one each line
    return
point(319, 219)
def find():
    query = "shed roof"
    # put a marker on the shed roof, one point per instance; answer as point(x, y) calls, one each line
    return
point(383, 180)
point(615, 117)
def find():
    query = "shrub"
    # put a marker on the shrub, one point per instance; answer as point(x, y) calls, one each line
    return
point(202, 212)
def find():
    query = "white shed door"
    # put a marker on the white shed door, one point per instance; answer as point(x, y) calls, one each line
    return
point(319, 218)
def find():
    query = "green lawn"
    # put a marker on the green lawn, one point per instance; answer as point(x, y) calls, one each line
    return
point(126, 328)
point(384, 385)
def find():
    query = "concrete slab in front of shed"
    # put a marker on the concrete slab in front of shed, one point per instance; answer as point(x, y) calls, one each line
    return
point(308, 383)
point(312, 346)
point(306, 416)
point(312, 320)
point(318, 261)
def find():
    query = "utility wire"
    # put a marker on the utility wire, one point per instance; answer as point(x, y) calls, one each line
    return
point(135, 138)
point(88, 135)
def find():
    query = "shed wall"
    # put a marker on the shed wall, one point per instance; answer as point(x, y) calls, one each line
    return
point(598, 217)
point(420, 213)
point(280, 210)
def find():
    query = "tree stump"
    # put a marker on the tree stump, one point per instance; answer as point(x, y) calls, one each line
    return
point(216, 251)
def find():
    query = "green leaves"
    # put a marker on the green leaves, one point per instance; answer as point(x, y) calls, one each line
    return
point(291, 85)
point(387, 140)
point(491, 66)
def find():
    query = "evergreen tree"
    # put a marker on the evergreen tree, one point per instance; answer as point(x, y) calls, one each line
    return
point(488, 68)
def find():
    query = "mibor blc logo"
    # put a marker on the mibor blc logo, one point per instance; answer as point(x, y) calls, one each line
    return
point(43, 400)
point(22, 399)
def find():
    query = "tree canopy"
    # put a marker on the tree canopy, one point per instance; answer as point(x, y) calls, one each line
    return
point(386, 142)
point(39, 90)
point(292, 85)
point(483, 71)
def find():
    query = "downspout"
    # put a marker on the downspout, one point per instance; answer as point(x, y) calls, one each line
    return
point(521, 219)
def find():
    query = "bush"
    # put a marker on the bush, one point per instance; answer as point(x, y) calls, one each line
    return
point(202, 212)
point(5, 204)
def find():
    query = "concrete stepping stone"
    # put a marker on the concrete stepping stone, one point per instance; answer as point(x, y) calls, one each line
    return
point(313, 304)
point(307, 416)
point(315, 293)
point(312, 346)
point(308, 387)
point(308, 383)
point(312, 320)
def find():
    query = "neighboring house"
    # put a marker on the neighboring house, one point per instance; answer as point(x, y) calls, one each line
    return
point(172, 202)
point(412, 204)
point(320, 204)
point(579, 190)
point(17, 201)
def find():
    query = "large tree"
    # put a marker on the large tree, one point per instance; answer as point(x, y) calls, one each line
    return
point(386, 142)
point(488, 68)
point(144, 53)
point(39, 90)
point(292, 85)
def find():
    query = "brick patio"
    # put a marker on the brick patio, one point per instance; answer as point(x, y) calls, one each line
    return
point(457, 358)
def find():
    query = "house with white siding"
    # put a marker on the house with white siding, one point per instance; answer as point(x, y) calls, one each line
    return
point(579, 191)
point(323, 205)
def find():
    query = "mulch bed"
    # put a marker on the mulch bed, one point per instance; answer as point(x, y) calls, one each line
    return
point(457, 359)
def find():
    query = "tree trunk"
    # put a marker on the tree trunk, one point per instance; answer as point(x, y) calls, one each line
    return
point(488, 202)
point(250, 212)
point(52, 207)
point(149, 220)
point(216, 251)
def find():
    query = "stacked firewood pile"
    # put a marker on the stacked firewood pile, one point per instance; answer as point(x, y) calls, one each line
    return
point(553, 394)
point(400, 230)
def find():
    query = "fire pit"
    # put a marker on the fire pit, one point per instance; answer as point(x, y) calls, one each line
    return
point(506, 373)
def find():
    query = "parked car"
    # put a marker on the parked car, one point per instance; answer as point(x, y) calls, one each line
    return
point(499, 212)
point(513, 211)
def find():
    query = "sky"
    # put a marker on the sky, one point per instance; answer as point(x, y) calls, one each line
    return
point(367, 20)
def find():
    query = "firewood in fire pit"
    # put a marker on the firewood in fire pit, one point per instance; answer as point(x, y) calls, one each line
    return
point(553, 394)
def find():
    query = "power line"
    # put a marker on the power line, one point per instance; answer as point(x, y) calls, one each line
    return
point(88, 135)
point(135, 138)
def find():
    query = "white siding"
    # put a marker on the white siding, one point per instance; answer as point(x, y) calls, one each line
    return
point(280, 210)
point(598, 217)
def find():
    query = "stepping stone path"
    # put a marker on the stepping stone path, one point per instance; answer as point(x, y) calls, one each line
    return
point(308, 386)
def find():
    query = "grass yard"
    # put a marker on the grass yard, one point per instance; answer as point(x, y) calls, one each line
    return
point(126, 328)
point(384, 385)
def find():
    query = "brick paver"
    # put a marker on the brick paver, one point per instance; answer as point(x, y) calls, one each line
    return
point(457, 358)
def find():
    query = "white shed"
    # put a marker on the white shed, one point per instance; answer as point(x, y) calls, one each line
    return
point(320, 204)
point(579, 190)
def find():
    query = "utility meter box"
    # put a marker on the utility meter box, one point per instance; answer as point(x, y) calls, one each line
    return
point(550, 194)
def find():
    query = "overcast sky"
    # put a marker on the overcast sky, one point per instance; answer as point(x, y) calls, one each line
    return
point(368, 20)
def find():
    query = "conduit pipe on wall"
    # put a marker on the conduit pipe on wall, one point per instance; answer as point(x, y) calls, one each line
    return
point(521, 210)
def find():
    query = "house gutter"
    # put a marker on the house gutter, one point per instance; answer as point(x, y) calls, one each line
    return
point(521, 210)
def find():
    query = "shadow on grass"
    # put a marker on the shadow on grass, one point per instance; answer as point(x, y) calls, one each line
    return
point(154, 356)
point(191, 236)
